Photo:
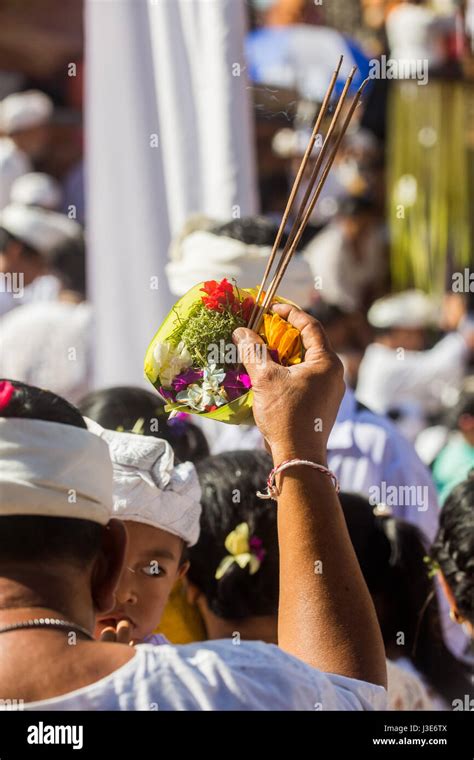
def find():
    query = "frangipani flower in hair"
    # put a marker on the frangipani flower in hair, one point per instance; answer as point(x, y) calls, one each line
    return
point(243, 549)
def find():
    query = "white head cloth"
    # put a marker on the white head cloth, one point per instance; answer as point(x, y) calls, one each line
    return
point(205, 256)
point(39, 228)
point(149, 488)
point(36, 189)
point(23, 110)
point(53, 470)
point(409, 309)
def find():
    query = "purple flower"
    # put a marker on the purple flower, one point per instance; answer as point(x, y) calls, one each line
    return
point(167, 394)
point(179, 423)
point(236, 384)
point(181, 382)
point(181, 417)
point(256, 547)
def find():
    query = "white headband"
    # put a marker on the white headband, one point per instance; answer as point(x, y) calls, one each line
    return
point(149, 488)
point(53, 470)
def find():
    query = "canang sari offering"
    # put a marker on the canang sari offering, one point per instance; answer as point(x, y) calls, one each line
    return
point(193, 362)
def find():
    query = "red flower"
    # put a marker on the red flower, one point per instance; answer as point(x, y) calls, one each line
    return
point(219, 294)
point(6, 392)
point(247, 306)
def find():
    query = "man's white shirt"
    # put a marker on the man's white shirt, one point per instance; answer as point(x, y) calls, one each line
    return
point(218, 675)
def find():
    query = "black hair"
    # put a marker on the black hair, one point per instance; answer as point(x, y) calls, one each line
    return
point(453, 548)
point(229, 483)
point(29, 402)
point(356, 205)
point(465, 404)
point(6, 237)
point(67, 260)
point(125, 406)
point(327, 313)
point(391, 555)
point(256, 230)
point(33, 539)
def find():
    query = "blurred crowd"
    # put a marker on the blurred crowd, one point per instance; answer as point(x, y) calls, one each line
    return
point(402, 446)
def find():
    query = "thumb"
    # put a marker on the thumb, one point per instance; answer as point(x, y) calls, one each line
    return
point(253, 352)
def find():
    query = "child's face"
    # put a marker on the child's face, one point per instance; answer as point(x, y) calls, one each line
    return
point(152, 565)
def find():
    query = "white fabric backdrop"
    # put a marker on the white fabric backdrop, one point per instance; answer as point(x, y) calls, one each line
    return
point(168, 133)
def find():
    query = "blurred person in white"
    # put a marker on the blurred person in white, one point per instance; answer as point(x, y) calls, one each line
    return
point(397, 376)
point(239, 250)
point(348, 257)
point(357, 168)
point(37, 189)
point(49, 343)
point(27, 234)
point(69, 569)
point(416, 32)
point(24, 118)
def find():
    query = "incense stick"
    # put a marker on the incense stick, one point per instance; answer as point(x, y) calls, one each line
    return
point(296, 185)
point(283, 264)
point(256, 313)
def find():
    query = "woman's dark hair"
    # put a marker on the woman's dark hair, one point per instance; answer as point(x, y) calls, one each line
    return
point(251, 230)
point(229, 483)
point(28, 538)
point(256, 230)
point(29, 402)
point(125, 407)
point(391, 555)
point(453, 548)
point(327, 313)
point(67, 260)
point(356, 205)
point(6, 238)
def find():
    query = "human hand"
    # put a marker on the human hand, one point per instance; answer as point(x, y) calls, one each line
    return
point(121, 633)
point(294, 407)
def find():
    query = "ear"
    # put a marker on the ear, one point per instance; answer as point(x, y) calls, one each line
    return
point(108, 566)
point(191, 591)
point(183, 569)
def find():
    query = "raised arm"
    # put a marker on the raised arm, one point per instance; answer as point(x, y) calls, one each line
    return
point(326, 616)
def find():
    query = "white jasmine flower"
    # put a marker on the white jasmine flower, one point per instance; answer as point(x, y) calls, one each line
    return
point(213, 378)
point(170, 361)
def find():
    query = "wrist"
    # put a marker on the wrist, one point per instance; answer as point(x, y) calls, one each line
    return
point(313, 451)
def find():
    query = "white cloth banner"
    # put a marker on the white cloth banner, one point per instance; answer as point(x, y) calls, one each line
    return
point(168, 133)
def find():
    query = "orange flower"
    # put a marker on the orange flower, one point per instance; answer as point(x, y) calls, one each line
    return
point(283, 338)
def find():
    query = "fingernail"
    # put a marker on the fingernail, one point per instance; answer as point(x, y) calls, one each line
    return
point(239, 334)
